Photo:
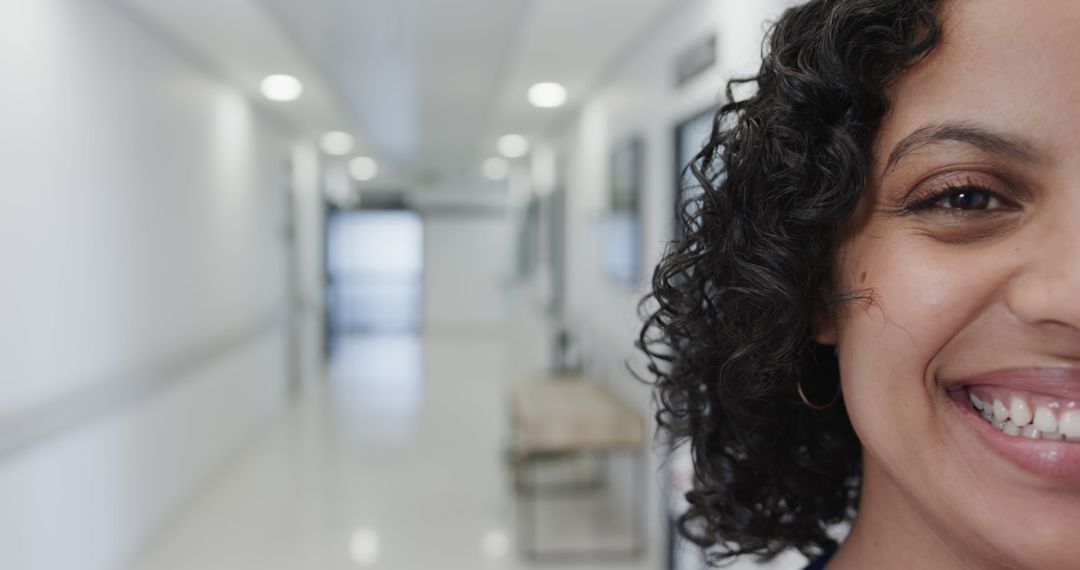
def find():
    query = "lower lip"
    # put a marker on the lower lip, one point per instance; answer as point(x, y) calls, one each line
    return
point(1055, 459)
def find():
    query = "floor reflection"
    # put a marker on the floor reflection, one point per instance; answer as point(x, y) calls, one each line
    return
point(376, 388)
point(398, 464)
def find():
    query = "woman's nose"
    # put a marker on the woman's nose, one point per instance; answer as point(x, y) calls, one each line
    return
point(1047, 289)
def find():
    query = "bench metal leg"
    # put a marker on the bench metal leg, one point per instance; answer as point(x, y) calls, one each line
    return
point(528, 516)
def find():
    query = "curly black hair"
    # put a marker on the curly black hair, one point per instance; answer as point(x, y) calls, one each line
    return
point(728, 324)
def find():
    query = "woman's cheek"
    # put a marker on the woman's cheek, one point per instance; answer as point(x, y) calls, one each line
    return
point(918, 293)
point(919, 297)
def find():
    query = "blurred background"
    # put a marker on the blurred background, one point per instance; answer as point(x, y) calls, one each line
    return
point(306, 284)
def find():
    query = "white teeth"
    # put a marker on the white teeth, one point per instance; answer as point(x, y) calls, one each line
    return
point(1001, 413)
point(1069, 423)
point(1045, 420)
point(1019, 411)
point(1019, 419)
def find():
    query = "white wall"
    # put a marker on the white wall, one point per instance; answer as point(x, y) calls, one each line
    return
point(142, 245)
point(466, 265)
point(308, 271)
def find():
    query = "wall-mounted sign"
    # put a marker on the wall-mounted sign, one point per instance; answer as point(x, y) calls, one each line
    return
point(695, 59)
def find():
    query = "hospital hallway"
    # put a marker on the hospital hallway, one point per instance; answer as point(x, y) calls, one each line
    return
point(343, 284)
point(398, 464)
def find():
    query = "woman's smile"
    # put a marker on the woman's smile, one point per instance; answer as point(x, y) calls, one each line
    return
point(1030, 416)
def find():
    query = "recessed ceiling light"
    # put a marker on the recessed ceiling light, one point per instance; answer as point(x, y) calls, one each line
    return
point(495, 544)
point(547, 95)
point(281, 87)
point(512, 146)
point(363, 168)
point(495, 168)
point(336, 143)
point(364, 547)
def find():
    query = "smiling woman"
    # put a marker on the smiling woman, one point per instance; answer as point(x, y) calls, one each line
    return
point(892, 215)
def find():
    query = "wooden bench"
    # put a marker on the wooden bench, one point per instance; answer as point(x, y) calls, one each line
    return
point(566, 417)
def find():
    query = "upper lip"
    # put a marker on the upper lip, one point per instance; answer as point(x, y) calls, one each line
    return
point(1061, 382)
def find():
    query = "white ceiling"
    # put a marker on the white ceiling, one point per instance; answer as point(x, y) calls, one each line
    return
point(427, 85)
point(240, 41)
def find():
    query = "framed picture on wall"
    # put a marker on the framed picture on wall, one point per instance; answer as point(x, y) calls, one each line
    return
point(622, 255)
point(690, 137)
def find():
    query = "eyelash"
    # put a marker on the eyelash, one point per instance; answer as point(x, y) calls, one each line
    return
point(935, 197)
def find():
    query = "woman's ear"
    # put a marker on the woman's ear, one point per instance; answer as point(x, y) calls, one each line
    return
point(823, 326)
point(823, 319)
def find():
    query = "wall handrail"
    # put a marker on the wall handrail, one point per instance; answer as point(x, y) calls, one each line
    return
point(24, 429)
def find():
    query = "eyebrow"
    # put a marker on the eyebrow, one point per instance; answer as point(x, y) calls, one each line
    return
point(978, 137)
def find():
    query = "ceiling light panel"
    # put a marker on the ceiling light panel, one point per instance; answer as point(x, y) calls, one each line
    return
point(281, 88)
point(337, 143)
point(363, 168)
point(495, 168)
point(547, 95)
point(512, 146)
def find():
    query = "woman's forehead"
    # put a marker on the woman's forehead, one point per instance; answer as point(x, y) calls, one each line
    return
point(1010, 67)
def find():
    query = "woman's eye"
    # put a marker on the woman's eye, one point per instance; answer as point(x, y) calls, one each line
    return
point(968, 199)
point(962, 198)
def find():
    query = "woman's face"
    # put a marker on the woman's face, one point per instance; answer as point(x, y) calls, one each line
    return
point(968, 243)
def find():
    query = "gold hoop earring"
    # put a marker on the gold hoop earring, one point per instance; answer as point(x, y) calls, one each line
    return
point(813, 406)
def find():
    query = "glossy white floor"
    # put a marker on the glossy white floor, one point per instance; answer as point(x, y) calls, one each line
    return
point(396, 465)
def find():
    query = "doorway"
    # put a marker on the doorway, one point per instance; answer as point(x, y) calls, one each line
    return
point(374, 261)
